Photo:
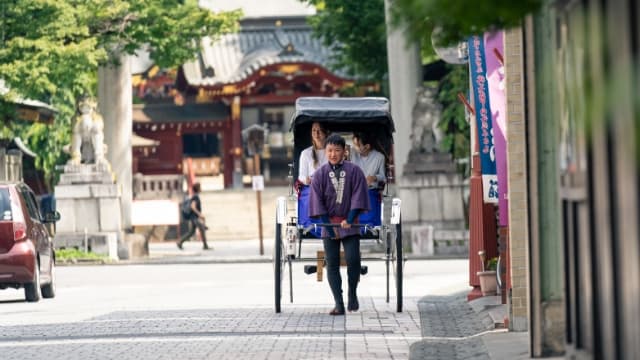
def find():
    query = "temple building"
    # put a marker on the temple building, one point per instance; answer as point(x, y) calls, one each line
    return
point(252, 77)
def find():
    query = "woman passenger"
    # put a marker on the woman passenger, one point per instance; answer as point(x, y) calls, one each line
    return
point(312, 157)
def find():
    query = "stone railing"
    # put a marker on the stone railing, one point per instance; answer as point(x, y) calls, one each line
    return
point(157, 187)
point(426, 240)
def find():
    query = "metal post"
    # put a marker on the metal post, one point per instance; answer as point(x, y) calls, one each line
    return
point(256, 165)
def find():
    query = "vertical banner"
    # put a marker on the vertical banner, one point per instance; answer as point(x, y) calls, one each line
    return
point(482, 106)
point(494, 50)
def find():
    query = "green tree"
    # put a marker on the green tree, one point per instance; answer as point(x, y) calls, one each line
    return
point(50, 50)
point(449, 22)
point(457, 20)
point(453, 121)
point(355, 30)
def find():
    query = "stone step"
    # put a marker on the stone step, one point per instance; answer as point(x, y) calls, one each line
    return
point(232, 214)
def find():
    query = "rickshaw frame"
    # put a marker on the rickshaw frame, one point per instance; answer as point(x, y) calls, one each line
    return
point(342, 115)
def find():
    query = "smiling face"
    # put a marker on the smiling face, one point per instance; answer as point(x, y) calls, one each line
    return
point(334, 153)
point(318, 135)
point(361, 148)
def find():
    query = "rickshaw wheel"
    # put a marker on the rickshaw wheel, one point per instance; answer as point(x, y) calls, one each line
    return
point(399, 266)
point(277, 266)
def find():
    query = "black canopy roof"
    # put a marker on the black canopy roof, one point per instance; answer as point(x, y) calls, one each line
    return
point(342, 112)
point(342, 115)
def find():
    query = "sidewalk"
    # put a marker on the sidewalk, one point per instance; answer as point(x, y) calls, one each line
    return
point(222, 251)
point(452, 328)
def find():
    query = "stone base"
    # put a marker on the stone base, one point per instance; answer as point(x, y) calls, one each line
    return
point(432, 193)
point(420, 163)
point(86, 174)
point(137, 246)
point(98, 243)
point(425, 240)
point(92, 208)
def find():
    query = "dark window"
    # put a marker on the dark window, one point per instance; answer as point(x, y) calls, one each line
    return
point(201, 145)
point(5, 205)
point(32, 205)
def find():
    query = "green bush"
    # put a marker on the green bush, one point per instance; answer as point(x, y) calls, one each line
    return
point(73, 255)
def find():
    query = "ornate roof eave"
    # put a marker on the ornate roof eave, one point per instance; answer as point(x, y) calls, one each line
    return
point(289, 72)
point(233, 58)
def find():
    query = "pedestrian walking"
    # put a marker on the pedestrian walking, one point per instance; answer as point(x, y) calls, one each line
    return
point(196, 219)
point(338, 195)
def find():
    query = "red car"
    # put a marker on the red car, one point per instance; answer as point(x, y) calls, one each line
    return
point(27, 256)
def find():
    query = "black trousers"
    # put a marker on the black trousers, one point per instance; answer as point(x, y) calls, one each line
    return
point(196, 223)
point(351, 245)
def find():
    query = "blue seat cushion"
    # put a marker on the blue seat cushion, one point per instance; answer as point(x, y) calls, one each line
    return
point(371, 217)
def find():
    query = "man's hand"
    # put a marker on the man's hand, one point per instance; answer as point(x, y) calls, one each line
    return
point(371, 179)
point(345, 225)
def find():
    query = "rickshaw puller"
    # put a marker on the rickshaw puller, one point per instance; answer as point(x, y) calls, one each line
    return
point(338, 195)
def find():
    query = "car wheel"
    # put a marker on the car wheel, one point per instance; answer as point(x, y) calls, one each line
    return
point(32, 290)
point(49, 290)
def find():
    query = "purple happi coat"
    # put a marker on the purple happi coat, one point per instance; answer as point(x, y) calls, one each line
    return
point(348, 183)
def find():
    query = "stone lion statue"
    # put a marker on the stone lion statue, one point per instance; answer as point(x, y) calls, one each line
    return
point(87, 141)
point(425, 116)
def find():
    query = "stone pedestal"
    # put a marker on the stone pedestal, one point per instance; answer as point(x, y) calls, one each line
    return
point(432, 193)
point(89, 206)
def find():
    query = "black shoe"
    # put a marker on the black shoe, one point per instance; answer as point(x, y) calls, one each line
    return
point(179, 245)
point(337, 311)
point(353, 304)
point(206, 248)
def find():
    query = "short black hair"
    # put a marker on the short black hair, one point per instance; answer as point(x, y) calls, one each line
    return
point(335, 139)
point(196, 187)
point(364, 137)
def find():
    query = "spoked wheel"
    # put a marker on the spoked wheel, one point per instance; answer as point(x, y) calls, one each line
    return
point(399, 266)
point(277, 266)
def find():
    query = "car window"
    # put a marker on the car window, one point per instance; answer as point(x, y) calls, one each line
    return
point(32, 205)
point(5, 205)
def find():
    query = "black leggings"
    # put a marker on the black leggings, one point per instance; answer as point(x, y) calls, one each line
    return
point(351, 245)
point(195, 222)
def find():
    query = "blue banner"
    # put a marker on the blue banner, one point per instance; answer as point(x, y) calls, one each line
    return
point(478, 77)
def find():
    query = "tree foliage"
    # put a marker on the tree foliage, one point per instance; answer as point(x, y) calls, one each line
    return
point(50, 50)
point(355, 30)
point(453, 121)
point(457, 20)
point(447, 22)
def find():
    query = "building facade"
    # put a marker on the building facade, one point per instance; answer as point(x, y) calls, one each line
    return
point(574, 127)
point(238, 81)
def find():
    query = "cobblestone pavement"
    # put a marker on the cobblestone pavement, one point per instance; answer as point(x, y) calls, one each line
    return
point(299, 332)
point(451, 329)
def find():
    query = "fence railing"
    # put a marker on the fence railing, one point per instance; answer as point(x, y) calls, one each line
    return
point(156, 187)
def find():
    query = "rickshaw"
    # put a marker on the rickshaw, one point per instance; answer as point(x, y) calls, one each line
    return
point(380, 226)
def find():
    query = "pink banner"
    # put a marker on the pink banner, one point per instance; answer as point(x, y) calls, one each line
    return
point(494, 50)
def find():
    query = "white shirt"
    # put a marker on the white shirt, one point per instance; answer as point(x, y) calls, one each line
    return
point(307, 168)
point(372, 164)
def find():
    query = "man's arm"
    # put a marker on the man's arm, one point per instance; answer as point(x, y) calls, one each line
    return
point(194, 208)
point(380, 166)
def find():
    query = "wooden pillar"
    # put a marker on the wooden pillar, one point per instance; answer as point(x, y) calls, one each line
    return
point(482, 229)
point(475, 227)
point(236, 143)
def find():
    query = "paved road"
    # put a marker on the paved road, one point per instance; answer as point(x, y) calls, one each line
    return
point(215, 311)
